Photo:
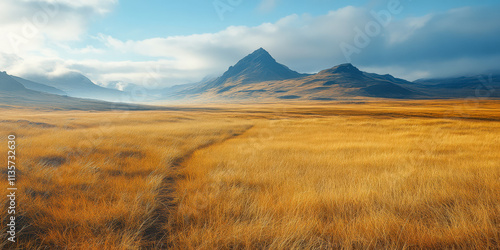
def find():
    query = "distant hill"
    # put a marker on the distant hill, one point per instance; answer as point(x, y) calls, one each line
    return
point(259, 77)
point(14, 94)
point(487, 85)
point(38, 86)
point(77, 85)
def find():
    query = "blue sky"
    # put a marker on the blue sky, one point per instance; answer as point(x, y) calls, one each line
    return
point(132, 19)
point(178, 42)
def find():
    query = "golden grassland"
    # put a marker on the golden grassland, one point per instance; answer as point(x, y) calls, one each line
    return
point(91, 180)
point(364, 174)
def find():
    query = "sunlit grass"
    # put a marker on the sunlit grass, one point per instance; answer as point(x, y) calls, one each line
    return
point(374, 174)
point(92, 180)
point(345, 182)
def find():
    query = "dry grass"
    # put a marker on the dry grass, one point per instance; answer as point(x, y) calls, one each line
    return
point(371, 174)
point(92, 180)
point(346, 182)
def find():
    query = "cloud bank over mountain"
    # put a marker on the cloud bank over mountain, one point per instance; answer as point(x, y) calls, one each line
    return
point(455, 42)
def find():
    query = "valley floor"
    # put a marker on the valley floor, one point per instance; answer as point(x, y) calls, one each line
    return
point(374, 174)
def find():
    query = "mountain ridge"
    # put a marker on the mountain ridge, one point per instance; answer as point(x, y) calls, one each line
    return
point(14, 95)
point(476, 86)
point(260, 76)
point(77, 85)
point(38, 86)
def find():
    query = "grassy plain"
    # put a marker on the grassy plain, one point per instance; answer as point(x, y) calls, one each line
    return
point(375, 174)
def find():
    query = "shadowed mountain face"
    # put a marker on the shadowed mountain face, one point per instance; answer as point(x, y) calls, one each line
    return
point(7, 83)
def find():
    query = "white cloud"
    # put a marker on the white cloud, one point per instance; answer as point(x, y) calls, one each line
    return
point(313, 40)
point(89, 49)
point(29, 25)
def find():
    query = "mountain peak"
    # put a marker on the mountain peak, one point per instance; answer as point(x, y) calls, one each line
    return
point(260, 56)
point(261, 51)
point(258, 66)
point(345, 68)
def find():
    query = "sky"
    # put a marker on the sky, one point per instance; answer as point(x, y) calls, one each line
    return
point(162, 43)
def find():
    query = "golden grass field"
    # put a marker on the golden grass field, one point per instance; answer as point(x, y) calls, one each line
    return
point(341, 175)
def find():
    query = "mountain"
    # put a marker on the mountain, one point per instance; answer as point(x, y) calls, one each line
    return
point(77, 85)
point(259, 77)
point(461, 87)
point(354, 82)
point(14, 94)
point(258, 66)
point(9, 84)
point(342, 81)
point(38, 86)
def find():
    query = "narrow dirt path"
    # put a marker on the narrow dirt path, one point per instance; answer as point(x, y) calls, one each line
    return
point(154, 234)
